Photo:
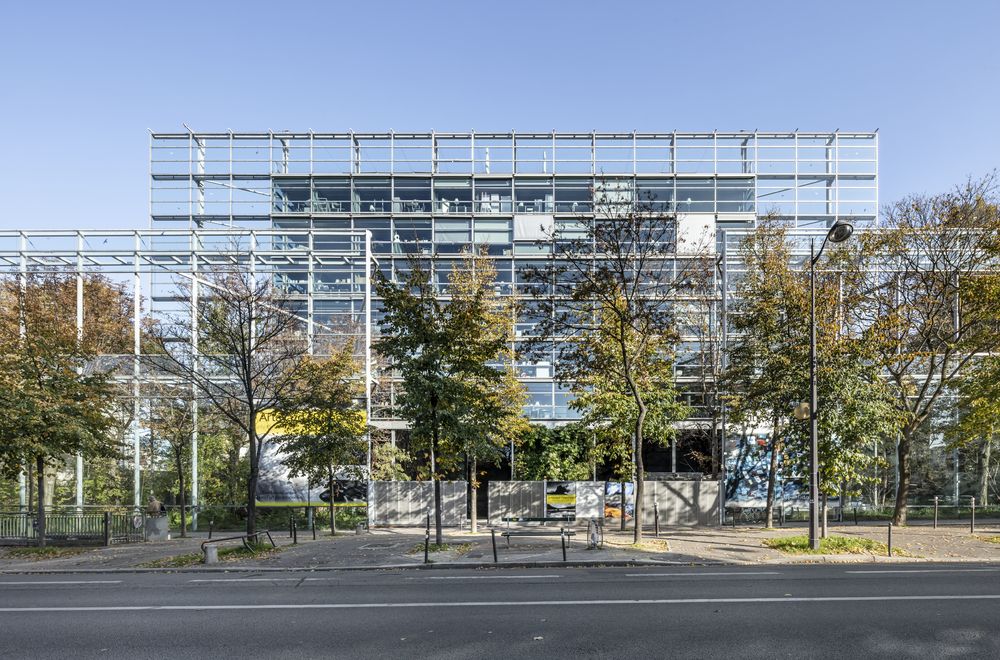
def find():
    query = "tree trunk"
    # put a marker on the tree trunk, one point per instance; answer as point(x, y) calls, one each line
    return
point(640, 472)
point(772, 479)
point(180, 480)
point(474, 484)
point(903, 483)
point(40, 475)
point(31, 488)
point(437, 489)
point(333, 510)
point(252, 483)
point(984, 469)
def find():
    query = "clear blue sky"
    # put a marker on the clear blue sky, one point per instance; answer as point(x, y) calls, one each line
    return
point(83, 81)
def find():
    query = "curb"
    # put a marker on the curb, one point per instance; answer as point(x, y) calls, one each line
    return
point(381, 567)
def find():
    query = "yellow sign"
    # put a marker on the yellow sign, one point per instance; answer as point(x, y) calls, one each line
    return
point(269, 422)
point(560, 499)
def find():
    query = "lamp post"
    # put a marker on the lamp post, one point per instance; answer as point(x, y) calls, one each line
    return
point(838, 233)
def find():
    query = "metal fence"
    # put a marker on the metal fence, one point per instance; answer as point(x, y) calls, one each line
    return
point(92, 528)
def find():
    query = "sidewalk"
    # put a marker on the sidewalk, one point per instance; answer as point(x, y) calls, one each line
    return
point(403, 547)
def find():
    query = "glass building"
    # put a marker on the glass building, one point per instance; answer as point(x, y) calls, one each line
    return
point(438, 194)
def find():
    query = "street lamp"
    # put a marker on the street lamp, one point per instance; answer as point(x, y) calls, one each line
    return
point(839, 232)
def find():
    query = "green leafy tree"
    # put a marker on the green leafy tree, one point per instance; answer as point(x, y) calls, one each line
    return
point(565, 453)
point(607, 300)
point(976, 426)
point(445, 352)
point(322, 422)
point(931, 303)
point(54, 400)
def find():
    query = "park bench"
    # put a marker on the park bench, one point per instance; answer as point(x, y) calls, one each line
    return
point(536, 531)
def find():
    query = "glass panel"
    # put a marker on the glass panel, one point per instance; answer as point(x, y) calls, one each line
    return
point(695, 195)
point(371, 196)
point(332, 195)
point(574, 195)
point(411, 195)
point(291, 195)
point(735, 195)
point(657, 194)
point(493, 196)
point(453, 195)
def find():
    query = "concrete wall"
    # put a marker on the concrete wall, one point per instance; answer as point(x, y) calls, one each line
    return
point(682, 503)
point(407, 503)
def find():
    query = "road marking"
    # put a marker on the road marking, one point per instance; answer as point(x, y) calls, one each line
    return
point(248, 580)
point(508, 603)
point(483, 577)
point(735, 573)
point(931, 570)
point(66, 582)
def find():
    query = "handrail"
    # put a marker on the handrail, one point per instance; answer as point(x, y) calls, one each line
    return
point(243, 538)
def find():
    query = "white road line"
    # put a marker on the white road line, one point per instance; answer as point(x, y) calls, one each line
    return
point(508, 603)
point(930, 570)
point(42, 582)
point(483, 577)
point(730, 573)
point(275, 579)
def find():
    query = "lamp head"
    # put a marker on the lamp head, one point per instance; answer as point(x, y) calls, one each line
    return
point(840, 232)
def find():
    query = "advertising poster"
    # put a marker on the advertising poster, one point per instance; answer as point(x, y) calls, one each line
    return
point(560, 499)
point(276, 487)
point(613, 500)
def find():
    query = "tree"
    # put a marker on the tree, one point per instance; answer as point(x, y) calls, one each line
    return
point(931, 303)
point(565, 453)
point(172, 422)
point(444, 352)
point(322, 424)
point(976, 423)
point(769, 357)
point(54, 397)
point(608, 296)
point(241, 343)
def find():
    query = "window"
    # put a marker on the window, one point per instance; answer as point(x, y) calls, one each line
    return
point(493, 196)
point(533, 196)
point(411, 196)
point(453, 195)
point(371, 195)
point(574, 195)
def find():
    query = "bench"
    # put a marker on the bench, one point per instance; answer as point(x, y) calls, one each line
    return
point(538, 520)
point(537, 532)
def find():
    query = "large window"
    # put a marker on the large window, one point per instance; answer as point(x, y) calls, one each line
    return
point(493, 196)
point(453, 195)
point(371, 195)
point(574, 195)
point(411, 195)
point(533, 196)
point(452, 236)
point(332, 195)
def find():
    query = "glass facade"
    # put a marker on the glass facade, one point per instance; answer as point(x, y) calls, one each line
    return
point(438, 194)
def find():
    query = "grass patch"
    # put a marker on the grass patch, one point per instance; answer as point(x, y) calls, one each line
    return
point(990, 539)
point(831, 545)
point(48, 552)
point(459, 548)
point(177, 561)
point(255, 551)
point(645, 545)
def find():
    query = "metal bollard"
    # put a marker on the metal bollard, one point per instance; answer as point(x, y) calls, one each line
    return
point(289, 525)
point(855, 516)
point(972, 525)
point(211, 525)
point(656, 520)
point(890, 539)
point(562, 536)
point(935, 511)
point(295, 532)
point(493, 537)
point(313, 523)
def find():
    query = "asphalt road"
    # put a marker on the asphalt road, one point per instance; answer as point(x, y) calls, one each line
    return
point(879, 610)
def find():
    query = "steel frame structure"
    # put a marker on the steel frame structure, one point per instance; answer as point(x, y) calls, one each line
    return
point(151, 264)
